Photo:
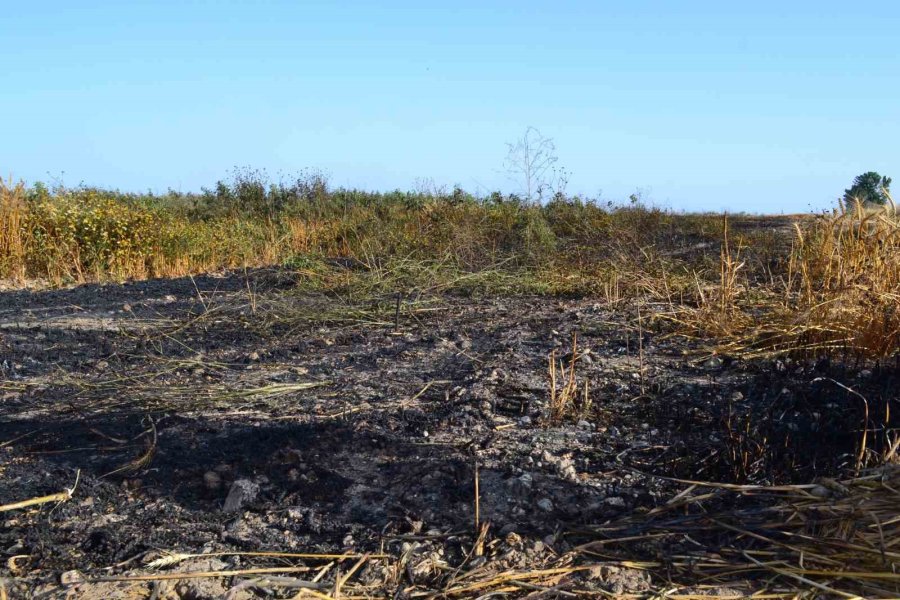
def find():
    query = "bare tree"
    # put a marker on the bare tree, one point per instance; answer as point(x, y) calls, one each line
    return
point(530, 162)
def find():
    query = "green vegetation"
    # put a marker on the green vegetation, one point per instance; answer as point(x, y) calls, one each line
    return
point(89, 234)
point(756, 284)
point(871, 188)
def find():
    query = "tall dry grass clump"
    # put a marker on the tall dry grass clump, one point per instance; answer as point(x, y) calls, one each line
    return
point(719, 302)
point(567, 398)
point(844, 283)
point(12, 232)
point(836, 295)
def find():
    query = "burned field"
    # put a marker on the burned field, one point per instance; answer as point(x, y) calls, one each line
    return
point(400, 446)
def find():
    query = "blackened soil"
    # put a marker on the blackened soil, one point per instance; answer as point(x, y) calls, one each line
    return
point(360, 427)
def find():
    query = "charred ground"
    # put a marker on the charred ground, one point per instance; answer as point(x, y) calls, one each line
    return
point(357, 425)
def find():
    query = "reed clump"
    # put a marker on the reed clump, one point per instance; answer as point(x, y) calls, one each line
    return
point(568, 398)
point(844, 277)
point(839, 295)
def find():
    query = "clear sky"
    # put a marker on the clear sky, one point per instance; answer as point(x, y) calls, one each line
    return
point(760, 106)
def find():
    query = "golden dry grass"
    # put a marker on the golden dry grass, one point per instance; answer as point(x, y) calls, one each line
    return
point(12, 231)
point(845, 278)
point(795, 541)
point(568, 398)
point(839, 296)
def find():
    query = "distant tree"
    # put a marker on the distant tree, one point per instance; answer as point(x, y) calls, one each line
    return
point(530, 162)
point(869, 187)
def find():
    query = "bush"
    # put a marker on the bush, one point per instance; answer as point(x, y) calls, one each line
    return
point(87, 234)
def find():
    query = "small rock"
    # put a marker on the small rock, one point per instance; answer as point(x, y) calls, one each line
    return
point(545, 504)
point(525, 421)
point(521, 486)
point(203, 589)
point(615, 501)
point(477, 562)
point(819, 491)
point(212, 480)
point(254, 356)
point(713, 362)
point(242, 491)
point(620, 580)
point(71, 577)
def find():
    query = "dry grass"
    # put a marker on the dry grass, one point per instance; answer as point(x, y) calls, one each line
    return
point(57, 497)
point(12, 231)
point(567, 398)
point(834, 537)
point(844, 278)
point(838, 295)
point(729, 273)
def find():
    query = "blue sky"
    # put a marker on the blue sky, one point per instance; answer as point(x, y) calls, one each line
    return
point(757, 106)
